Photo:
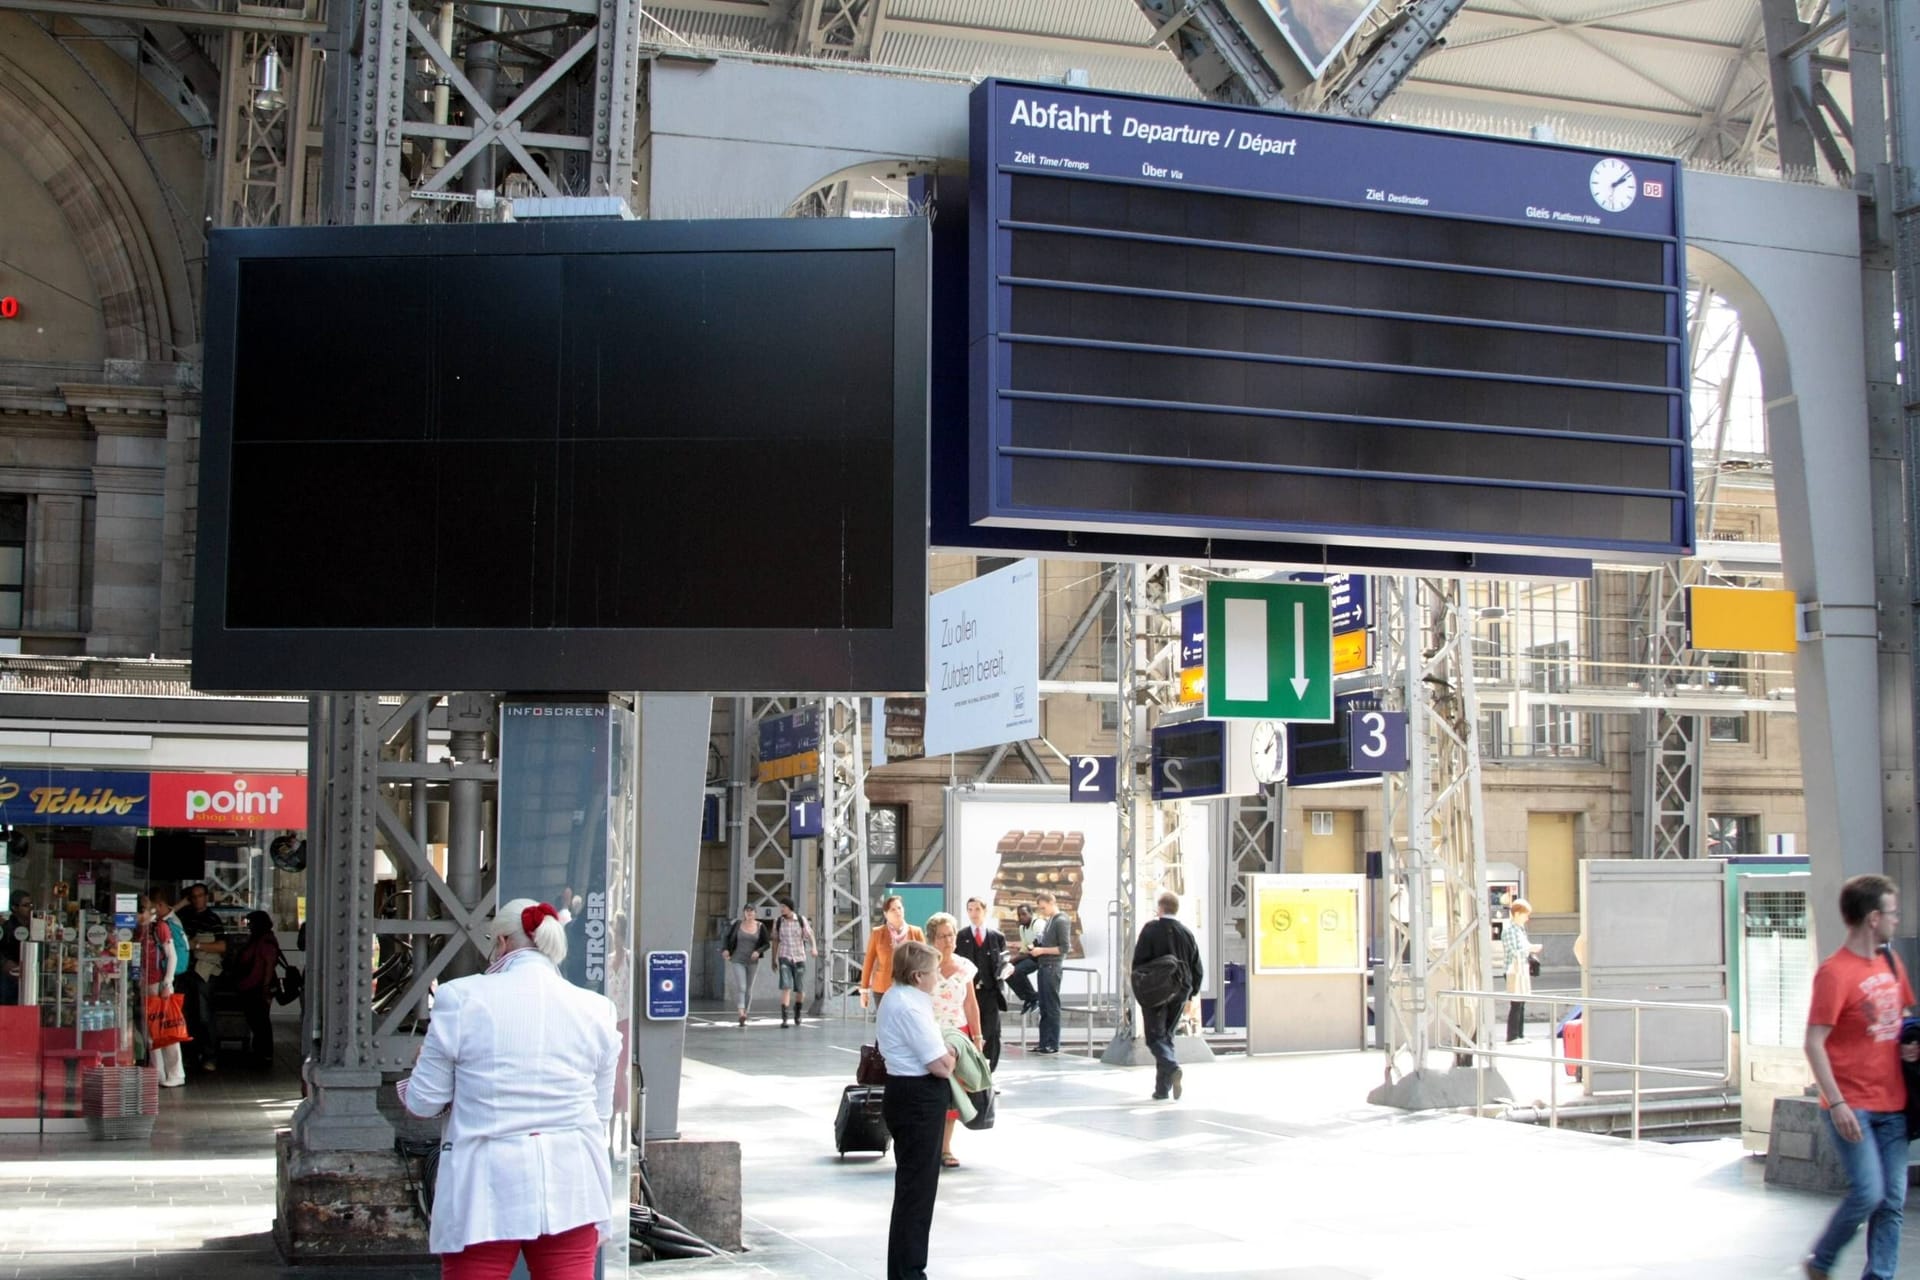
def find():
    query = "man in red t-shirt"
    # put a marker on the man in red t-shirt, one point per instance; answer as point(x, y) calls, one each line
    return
point(1860, 994)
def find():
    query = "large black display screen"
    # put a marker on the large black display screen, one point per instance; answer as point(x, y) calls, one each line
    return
point(1207, 321)
point(600, 456)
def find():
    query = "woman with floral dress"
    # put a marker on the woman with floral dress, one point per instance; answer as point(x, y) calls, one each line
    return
point(954, 1004)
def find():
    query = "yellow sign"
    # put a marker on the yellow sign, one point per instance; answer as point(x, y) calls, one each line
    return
point(1306, 928)
point(125, 951)
point(1352, 651)
point(1193, 684)
point(1744, 619)
point(787, 767)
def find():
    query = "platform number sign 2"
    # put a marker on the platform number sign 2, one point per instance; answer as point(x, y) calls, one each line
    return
point(804, 819)
point(1377, 741)
point(1093, 779)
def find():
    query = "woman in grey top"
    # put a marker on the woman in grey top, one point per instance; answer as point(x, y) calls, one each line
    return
point(747, 940)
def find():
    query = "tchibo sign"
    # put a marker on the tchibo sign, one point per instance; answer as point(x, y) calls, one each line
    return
point(271, 801)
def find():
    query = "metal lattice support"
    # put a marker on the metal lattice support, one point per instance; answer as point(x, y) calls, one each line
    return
point(1224, 61)
point(1667, 780)
point(1435, 872)
point(1253, 845)
point(508, 83)
point(1371, 80)
point(762, 855)
point(843, 846)
point(456, 917)
point(266, 150)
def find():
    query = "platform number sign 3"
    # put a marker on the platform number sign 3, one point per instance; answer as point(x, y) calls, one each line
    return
point(1094, 779)
point(1377, 741)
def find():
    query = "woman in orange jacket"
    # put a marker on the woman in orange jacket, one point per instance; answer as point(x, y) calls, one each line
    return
point(876, 975)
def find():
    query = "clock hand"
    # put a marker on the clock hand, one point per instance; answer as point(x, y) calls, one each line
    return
point(1617, 182)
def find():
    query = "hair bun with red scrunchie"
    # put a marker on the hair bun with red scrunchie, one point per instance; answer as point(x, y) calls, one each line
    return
point(530, 917)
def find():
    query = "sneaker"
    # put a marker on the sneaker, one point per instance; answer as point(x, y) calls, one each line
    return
point(1177, 1074)
point(1159, 1097)
point(1813, 1272)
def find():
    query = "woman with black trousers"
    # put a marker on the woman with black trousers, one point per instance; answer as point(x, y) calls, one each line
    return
point(915, 1106)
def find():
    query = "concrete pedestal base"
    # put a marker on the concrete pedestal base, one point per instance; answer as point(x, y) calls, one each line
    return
point(1800, 1151)
point(345, 1206)
point(1427, 1090)
point(696, 1182)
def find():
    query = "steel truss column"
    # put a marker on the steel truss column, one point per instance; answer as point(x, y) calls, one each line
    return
point(842, 929)
point(1667, 774)
point(1251, 845)
point(1435, 862)
point(386, 66)
point(1216, 51)
point(340, 1111)
point(1371, 80)
point(764, 861)
point(265, 148)
point(1148, 636)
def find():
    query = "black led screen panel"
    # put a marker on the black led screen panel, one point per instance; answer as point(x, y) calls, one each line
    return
point(1209, 321)
point(537, 457)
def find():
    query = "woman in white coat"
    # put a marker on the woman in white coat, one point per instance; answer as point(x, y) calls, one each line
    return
point(525, 1063)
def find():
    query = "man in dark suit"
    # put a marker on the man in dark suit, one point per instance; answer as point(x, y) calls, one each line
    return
point(986, 947)
point(1166, 936)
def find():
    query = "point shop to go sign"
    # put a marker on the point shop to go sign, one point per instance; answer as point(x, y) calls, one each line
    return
point(276, 801)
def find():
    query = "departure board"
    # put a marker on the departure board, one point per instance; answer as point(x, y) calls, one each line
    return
point(1220, 322)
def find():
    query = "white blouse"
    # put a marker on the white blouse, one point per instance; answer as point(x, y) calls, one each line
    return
point(527, 1061)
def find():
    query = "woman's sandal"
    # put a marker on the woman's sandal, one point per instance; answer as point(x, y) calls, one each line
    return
point(948, 1161)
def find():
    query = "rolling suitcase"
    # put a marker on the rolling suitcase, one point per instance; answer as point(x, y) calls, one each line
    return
point(859, 1126)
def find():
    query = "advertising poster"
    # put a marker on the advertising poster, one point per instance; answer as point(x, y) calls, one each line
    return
point(1308, 923)
point(983, 661)
point(1008, 843)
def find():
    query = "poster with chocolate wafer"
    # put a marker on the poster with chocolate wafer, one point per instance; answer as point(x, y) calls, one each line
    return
point(1008, 851)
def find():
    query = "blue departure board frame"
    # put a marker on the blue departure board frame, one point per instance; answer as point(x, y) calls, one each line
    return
point(1207, 321)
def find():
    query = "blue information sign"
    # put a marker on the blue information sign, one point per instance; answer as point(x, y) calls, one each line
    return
point(789, 735)
point(805, 819)
point(666, 985)
point(1318, 755)
point(1352, 609)
point(1206, 320)
point(1092, 779)
point(1193, 634)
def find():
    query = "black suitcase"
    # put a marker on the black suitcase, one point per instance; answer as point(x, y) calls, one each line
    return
point(860, 1126)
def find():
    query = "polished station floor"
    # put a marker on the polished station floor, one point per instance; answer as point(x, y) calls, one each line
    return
point(1270, 1167)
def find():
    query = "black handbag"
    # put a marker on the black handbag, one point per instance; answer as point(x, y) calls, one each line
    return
point(982, 1109)
point(873, 1066)
point(427, 1151)
point(1533, 966)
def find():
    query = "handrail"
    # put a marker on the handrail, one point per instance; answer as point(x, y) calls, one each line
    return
point(1636, 1067)
point(1095, 1003)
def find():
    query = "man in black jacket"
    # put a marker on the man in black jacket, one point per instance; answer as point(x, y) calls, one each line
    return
point(986, 947)
point(1166, 936)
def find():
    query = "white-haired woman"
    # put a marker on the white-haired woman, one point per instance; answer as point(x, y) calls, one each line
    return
point(955, 1007)
point(524, 1063)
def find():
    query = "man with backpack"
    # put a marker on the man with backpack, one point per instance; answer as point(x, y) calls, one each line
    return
point(1166, 975)
point(793, 942)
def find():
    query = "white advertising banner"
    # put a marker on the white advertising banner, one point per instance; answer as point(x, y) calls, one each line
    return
point(983, 661)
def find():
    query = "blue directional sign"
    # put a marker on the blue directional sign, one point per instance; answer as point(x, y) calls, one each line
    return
point(1318, 755)
point(1351, 606)
point(667, 985)
point(1092, 779)
point(805, 818)
point(789, 735)
point(1193, 634)
point(1377, 741)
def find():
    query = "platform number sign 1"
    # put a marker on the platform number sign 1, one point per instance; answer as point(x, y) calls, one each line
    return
point(804, 818)
point(1093, 779)
point(1377, 741)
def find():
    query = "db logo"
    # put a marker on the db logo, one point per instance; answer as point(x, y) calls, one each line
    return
point(1653, 190)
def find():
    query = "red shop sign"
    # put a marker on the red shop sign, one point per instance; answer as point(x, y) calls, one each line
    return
point(273, 801)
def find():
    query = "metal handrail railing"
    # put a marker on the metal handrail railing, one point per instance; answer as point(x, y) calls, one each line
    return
point(1096, 1002)
point(1636, 1067)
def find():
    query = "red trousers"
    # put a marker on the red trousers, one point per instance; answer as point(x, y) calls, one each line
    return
point(567, 1256)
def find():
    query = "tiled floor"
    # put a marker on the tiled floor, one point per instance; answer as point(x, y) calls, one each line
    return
point(1267, 1167)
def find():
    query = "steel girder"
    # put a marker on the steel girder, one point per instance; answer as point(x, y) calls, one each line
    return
point(1435, 847)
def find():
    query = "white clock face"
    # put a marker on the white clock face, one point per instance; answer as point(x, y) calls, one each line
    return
point(1269, 754)
point(1613, 185)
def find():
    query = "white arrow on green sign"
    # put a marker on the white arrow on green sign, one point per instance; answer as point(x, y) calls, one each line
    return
point(1270, 651)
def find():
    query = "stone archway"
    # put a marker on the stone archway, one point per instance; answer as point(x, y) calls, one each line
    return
point(106, 224)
